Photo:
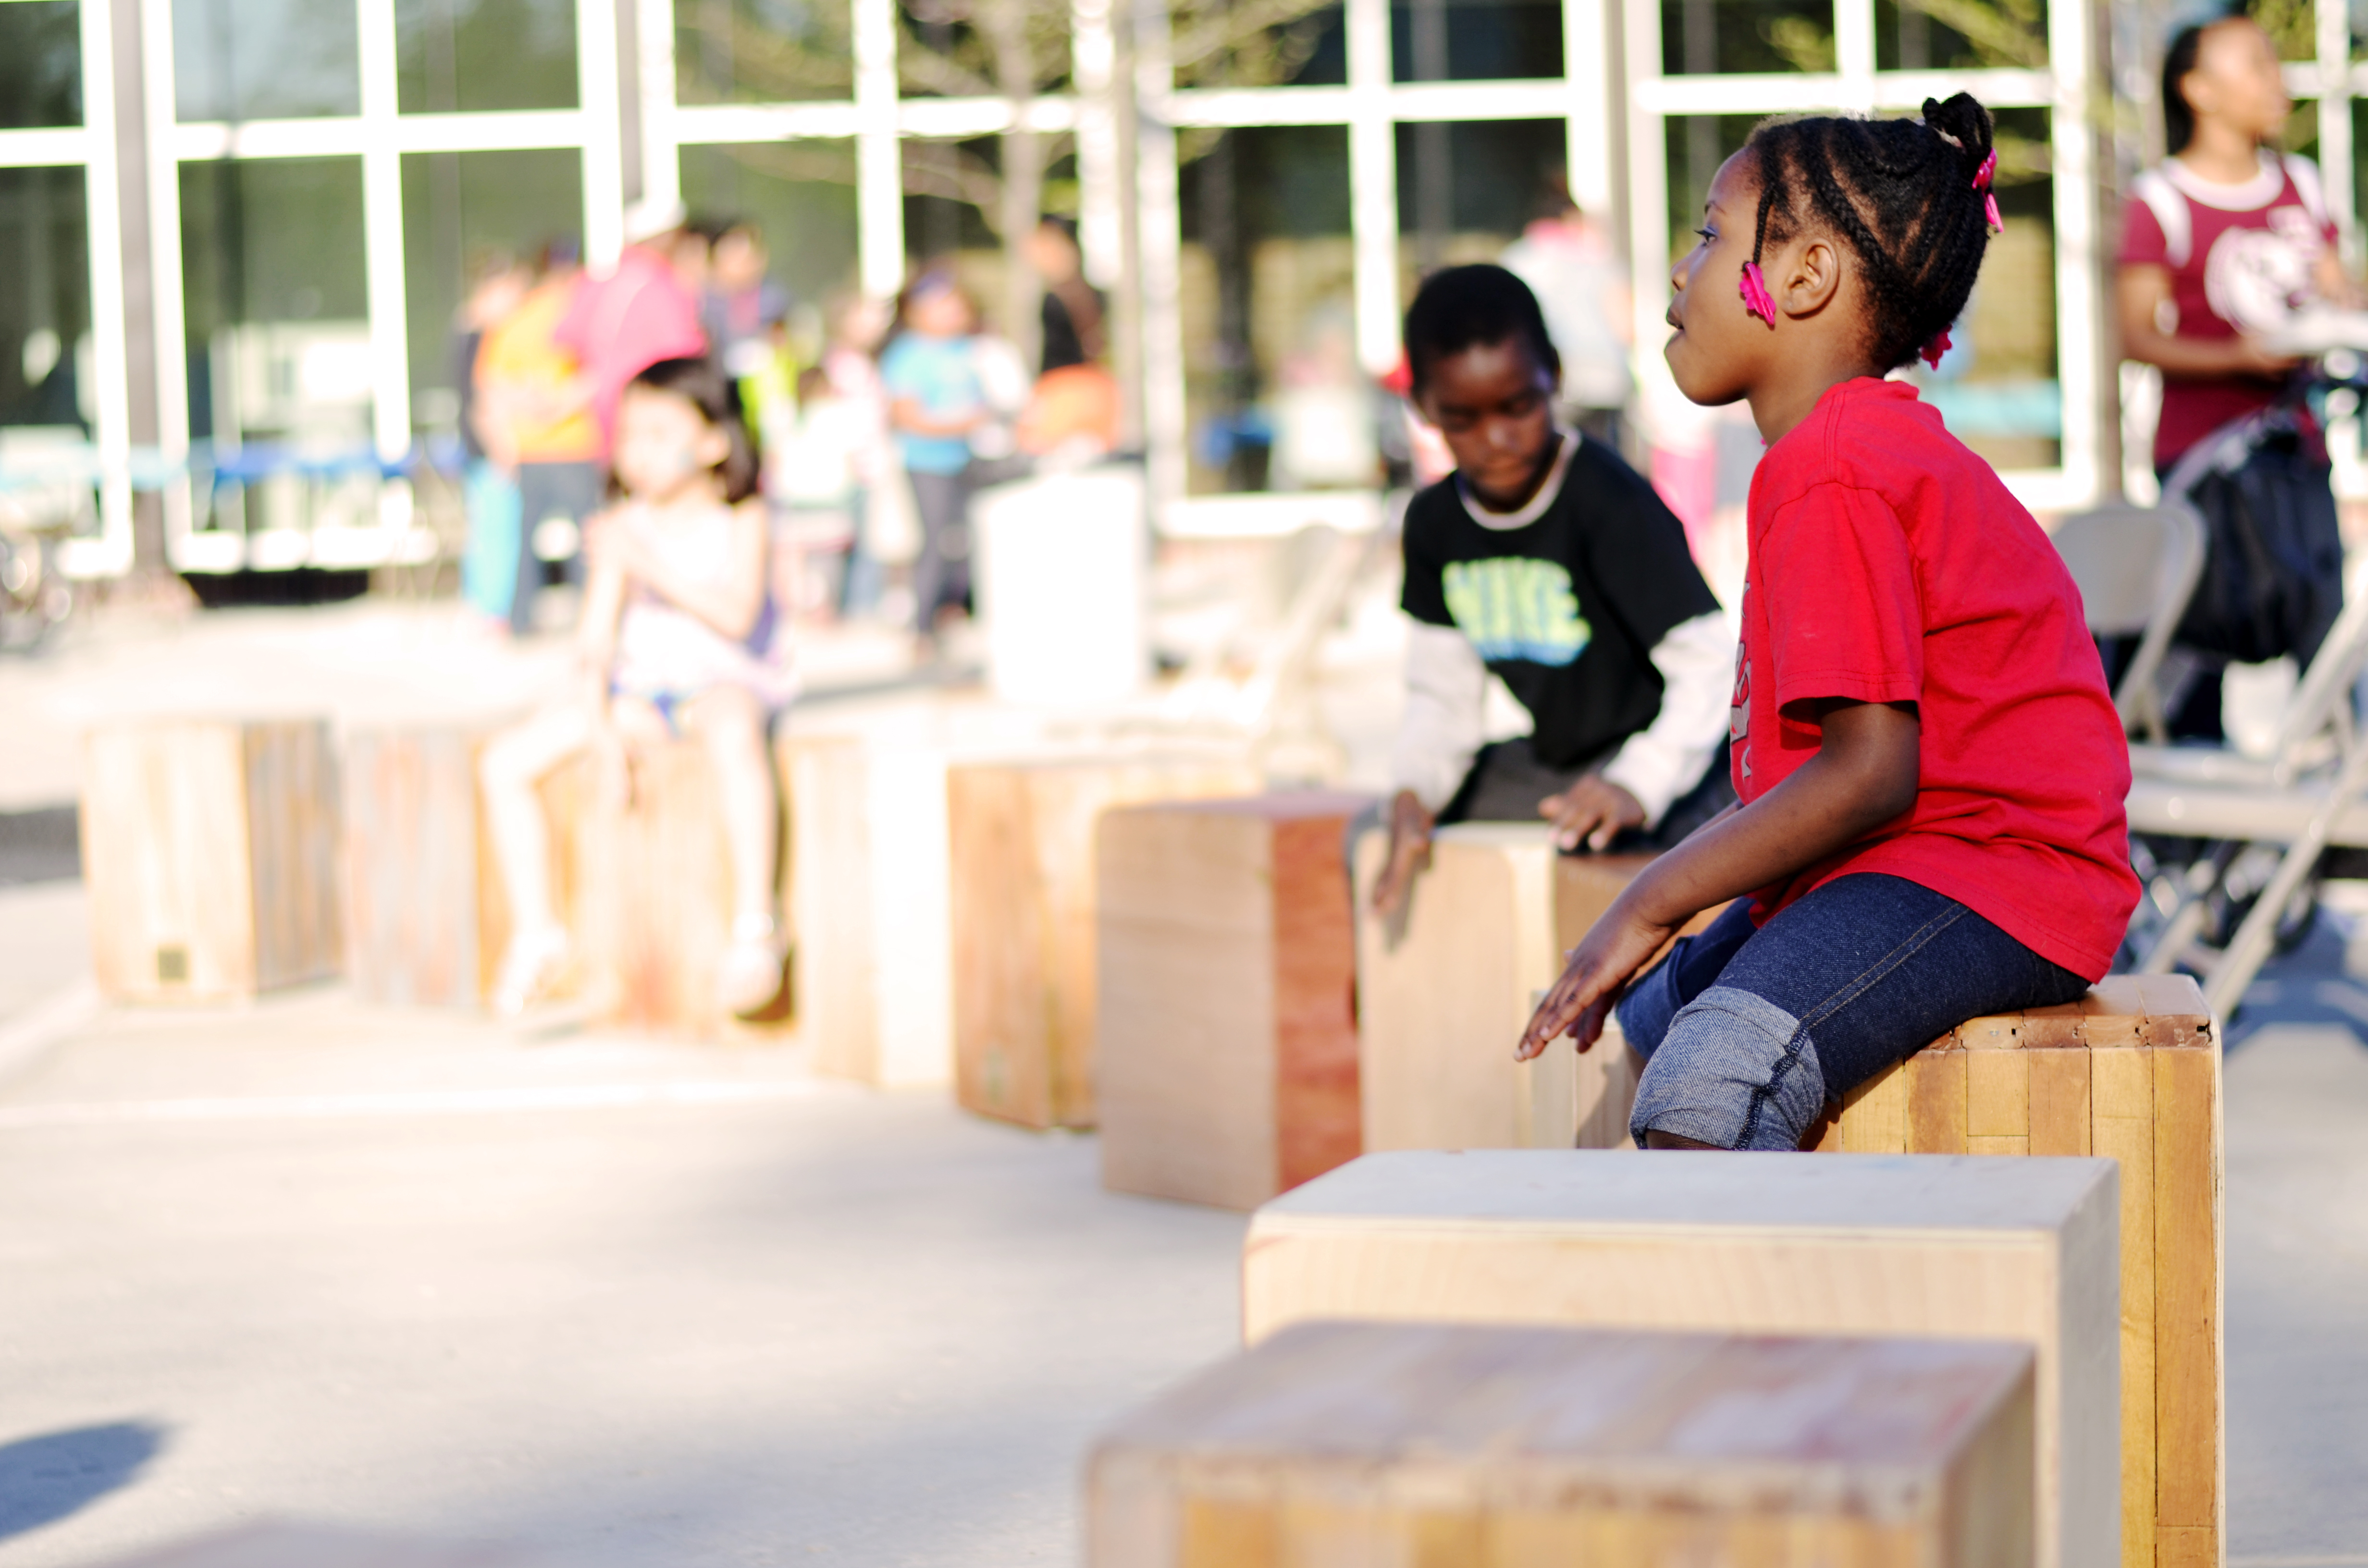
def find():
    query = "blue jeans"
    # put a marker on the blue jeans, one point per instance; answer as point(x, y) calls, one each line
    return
point(1747, 1032)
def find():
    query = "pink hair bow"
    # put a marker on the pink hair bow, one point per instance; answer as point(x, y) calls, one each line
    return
point(1756, 298)
point(1931, 353)
point(1982, 178)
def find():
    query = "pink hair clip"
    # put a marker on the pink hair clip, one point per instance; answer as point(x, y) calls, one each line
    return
point(1982, 179)
point(1931, 353)
point(1754, 289)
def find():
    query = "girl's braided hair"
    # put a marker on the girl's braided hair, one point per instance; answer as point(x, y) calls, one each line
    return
point(1910, 199)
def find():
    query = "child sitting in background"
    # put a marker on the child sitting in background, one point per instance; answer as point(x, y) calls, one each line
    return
point(678, 637)
point(1929, 768)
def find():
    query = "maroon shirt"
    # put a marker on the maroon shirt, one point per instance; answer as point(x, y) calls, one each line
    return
point(2241, 258)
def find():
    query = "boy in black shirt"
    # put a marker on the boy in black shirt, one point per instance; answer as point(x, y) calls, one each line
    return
point(1546, 561)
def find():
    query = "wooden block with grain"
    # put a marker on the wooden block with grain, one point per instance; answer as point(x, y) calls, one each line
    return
point(414, 856)
point(1226, 1034)
point(1020, 840)
point(209, 848)
point(656, 874)
point(872, 965)
point(1459, 1446)
point(2131, 1073)
point(1445, 988)
point(1953, 1247)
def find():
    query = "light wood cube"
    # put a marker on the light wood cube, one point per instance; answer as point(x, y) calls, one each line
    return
point(413, 863)
point(1020, 847)
point(1944, 1247)
point(209, 848)
point(1445, 988)
point(1452, 1446)
point(1227, 1035)
point(658, 896)
point(2131, 1072)
point(873, 964)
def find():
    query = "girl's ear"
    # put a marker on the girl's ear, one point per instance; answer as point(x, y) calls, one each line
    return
point(715, 445)
point(1811, 276)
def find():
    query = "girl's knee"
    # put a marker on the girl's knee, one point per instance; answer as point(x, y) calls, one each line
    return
point(1734, 1072)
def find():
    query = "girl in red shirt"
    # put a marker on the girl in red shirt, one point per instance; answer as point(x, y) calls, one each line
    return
point(1929, 771)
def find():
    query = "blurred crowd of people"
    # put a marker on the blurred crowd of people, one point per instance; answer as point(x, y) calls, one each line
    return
point(875, 422)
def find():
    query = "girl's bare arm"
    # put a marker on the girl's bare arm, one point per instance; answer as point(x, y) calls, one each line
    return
point(908, 415)
point(2141, 292)
point(732, 606)
point(1864, 775)
point(604, 605)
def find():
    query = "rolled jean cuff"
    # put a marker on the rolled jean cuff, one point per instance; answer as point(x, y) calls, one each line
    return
point(1735, 1070)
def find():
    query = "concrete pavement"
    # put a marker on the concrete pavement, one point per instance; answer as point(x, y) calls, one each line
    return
point(395, 1273)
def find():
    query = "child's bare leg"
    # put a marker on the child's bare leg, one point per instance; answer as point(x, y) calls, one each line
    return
point(728, 721)
point(512, 765)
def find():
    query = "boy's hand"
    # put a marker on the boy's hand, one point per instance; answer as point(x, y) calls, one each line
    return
point(1621, 943)
point(1410, 828)
point(1594, 810)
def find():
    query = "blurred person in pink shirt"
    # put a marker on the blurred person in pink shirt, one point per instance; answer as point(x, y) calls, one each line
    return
point(645, 310)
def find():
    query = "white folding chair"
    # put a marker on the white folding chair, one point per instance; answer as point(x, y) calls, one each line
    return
point(2137, 567)
point(2305, 795)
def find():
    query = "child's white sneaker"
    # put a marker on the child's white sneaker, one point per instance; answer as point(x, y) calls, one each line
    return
point(531, 963)
point(749, 974)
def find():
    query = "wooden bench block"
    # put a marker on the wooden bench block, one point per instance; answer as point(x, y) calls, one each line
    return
point(1452, 1446)
point(2131, 1073)
point(414, 860)
point(1444, 991)
point(1226, 1053)
point(1020, 855)
point(656, 874)
point(210, 849)
point(873, 963)
point(1944, 1247)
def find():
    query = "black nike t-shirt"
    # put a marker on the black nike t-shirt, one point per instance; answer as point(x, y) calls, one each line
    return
point(1567, 608)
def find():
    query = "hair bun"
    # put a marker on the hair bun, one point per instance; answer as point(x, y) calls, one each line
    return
point(1965, 125)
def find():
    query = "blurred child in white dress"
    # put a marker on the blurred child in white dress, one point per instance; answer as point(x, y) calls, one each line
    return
point(679, 637)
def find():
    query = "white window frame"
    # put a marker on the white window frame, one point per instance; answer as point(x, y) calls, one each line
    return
point(91, 145)
point(379, 136)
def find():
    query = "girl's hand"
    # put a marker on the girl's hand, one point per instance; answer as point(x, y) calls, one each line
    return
point(1601, 966)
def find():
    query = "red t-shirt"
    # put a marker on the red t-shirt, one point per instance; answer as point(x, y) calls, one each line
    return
point(1888, 564)
point(2241, 257)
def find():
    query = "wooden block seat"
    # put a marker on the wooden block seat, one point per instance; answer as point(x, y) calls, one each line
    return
point(1020, 857)
point(2131, 1073)
point(656, 875)
point(872, 966)
point(1444, 989)
point(427, 919)
point(414, 861)
point(1226, 1033)
point(210, 849)
point(1457, 1445)
point(1932, 1246)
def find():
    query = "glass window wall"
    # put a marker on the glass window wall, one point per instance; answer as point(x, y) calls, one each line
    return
point(484, 54)
point(41, 63)
point(235, 60)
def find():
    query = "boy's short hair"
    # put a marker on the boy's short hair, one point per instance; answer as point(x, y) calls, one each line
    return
point(1462, 307)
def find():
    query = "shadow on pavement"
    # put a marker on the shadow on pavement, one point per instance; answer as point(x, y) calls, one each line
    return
point(48, 1478)
point(43, 845)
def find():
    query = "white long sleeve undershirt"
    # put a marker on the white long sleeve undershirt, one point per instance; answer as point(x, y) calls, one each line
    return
point(1446, 690)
